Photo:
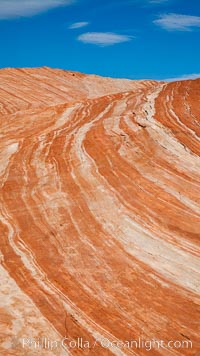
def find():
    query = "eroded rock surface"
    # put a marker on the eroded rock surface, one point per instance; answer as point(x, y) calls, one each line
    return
point(100, 211)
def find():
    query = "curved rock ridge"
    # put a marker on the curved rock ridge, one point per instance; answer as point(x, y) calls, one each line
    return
point(22, 89)
point(100, 212)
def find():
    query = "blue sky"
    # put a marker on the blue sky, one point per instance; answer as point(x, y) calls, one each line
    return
point(136, 39)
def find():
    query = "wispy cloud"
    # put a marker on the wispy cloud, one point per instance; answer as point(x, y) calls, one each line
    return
point(183, 77)
point(23, 8)
point(103, 38)
point(78, 25)
point(157, 1)
point(178, 22)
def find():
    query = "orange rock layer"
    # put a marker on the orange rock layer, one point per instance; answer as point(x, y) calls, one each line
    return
point(100, 213)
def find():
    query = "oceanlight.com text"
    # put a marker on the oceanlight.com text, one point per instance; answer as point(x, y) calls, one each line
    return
point(105, 343)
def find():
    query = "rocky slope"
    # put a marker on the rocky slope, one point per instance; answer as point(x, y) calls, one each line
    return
point(100, 213)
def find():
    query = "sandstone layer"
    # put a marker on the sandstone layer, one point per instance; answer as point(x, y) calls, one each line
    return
point(100, 212)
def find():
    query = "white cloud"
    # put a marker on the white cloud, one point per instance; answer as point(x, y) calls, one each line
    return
point(78, 25)
point(103, 38)
point(178, 22)
point(184, 77)
point(23, 8)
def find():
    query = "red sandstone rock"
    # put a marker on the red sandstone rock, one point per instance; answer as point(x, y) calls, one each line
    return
point(100, 212)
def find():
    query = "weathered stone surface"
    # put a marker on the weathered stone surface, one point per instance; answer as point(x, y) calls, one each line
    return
point(100, 211)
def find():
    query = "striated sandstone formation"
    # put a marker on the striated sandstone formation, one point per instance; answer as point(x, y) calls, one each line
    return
point(100, 212)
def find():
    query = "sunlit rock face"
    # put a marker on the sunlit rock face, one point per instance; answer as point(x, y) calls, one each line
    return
point(100, 213)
